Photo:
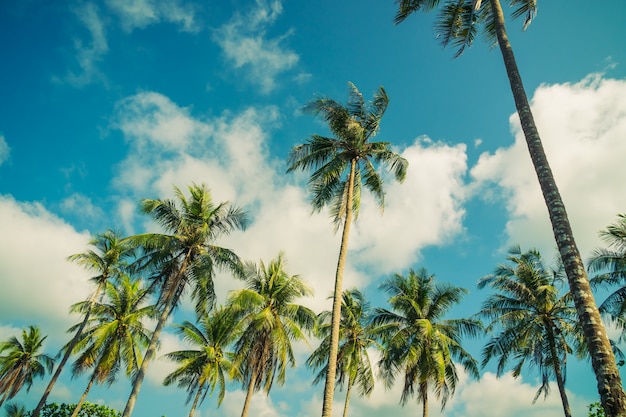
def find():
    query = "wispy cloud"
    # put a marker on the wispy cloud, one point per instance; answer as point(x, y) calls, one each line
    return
point(4, 150)
point(246, 47)
point(90, 54)
point(138, 14)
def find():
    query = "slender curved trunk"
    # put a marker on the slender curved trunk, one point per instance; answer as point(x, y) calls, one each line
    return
point(602, 358)
point(195, 400)
point(557, 370)
point(68, 351)
point(329, 386)
point(347, 403)
point(249, 392)
point(154, 341)
point(82, 399)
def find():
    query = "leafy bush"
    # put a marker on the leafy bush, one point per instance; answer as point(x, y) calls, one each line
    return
point(596, 410)
point(87, 410)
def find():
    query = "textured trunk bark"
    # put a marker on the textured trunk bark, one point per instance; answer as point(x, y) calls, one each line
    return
point(602, 358)
point(167, 309)
point(195, 401)
point(84, 396)
point(250, 391)
point(68, 352)
point(329, 386)
point(424, 390)
point(347, 403)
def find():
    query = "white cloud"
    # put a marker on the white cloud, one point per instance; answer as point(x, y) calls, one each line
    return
point(142, 13)
point(80, 205)
point(246, 46)
point(582, 126)
point(4, 150)
point(89, 55)
point(38, 282)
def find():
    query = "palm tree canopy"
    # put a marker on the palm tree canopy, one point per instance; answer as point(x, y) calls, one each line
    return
point(353, 125)
point(115, 334)
point(527, 311)
point(21, 361)
point(269, 321)
point(188, 247)
point(609, 265)
point(459, 21)
point(356, 335)
point(418, 341)
point(208, 363)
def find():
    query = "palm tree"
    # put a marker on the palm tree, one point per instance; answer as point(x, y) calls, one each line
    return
point(419, 342)
point(22, 362)
point(610, 264)
point(535, 323)
point(185, 256)
point(115, 334)
point(342, 166)
point(16, 410)
point(205, 367)
point(356, 335)
point(107, 259)
point(458, 25)
point(269, 322)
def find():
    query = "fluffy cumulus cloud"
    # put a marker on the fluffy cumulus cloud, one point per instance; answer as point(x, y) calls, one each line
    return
point(138, 14)
point(38, 282)
point(246, 46)
point(582, 126)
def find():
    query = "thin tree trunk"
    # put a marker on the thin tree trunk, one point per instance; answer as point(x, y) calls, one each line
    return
point(167, 308)
point(249, 392)
point(557, 371)
point(195, 401)
point(347, 403)
point(82, 399)
point(329, 386)
point(424, 392)
point(68, 351)
point(602, 358)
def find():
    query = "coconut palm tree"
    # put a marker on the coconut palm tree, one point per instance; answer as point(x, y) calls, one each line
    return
point(21, 362)
point(356, 335)
point(205, 367)
point(458, 25)
point(269, 321)
point(16, 410)
point(610, 266)
point(342, 165)
point(115, 335)
point(419, 342)
point(107, 259)
point(184, 257)
point(535, 323)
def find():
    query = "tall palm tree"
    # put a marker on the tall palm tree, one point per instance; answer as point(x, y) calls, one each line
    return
point(419, 342)
point(610, 265)
point(535, 322)
point(458, 25)
point(107, 259)
point(185, 256)
point(21, 362)
point(205, 367)
point(269, 321)
point(342, 165)
point(115, 335)
point(16, 410)
point(356, 335)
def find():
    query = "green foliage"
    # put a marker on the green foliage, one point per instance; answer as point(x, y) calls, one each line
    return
point(87, 410)
point(596, 410)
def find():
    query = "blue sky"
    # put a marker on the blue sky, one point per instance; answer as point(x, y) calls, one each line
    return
point(103, 103)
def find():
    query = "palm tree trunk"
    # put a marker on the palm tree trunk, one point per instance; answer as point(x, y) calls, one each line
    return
point(82, 399)
point(329, 386)
point(602, 358)
point(250, 391)
point(195, 401)
point(347, 403)
point(154, 341)
point(424, 393)
point(68, 351)
point(557, 370)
